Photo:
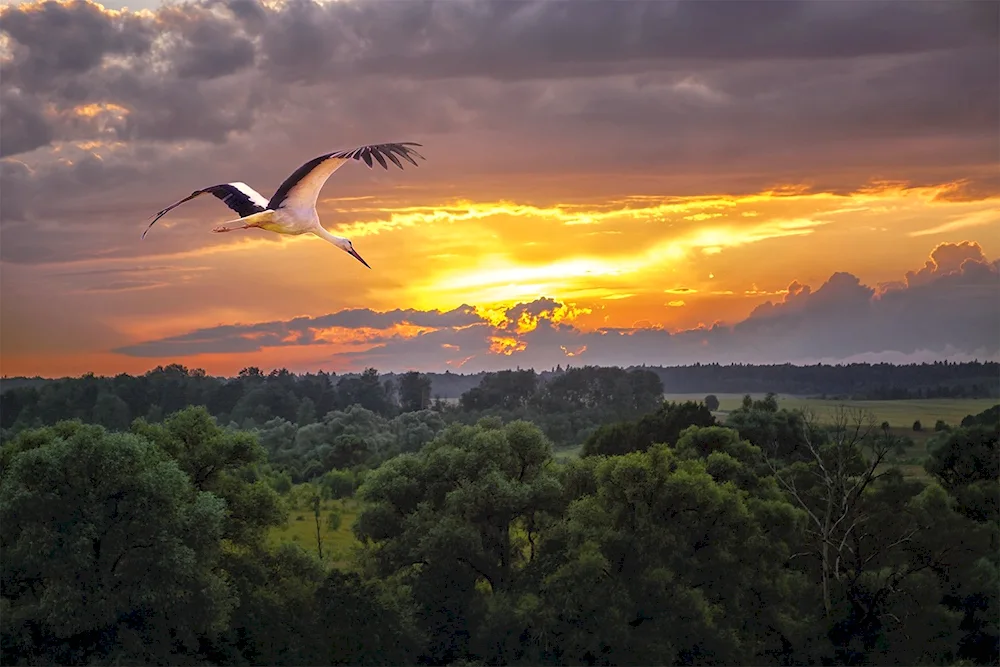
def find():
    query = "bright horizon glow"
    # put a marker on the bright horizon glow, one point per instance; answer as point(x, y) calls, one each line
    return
point(643, 259)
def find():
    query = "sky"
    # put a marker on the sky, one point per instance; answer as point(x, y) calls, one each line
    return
point(606, 182)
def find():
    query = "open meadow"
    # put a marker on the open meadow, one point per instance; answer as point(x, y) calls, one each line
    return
point(901, 413)
point(300, 529)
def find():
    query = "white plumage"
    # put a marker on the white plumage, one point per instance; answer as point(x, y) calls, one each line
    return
point(292, 209)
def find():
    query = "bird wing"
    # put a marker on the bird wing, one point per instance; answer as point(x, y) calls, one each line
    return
point(301, 189)
point(238, 196)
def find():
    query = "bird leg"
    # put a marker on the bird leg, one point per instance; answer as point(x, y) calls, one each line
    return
point(229, 226)
point(253, 220)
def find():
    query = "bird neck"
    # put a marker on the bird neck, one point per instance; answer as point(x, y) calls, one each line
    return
point(338, 241)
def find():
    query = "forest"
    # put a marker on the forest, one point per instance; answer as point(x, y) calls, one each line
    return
point(563, 518)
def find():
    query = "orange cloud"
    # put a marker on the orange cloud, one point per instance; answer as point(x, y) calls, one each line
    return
point(343, 335)
point(506, 345)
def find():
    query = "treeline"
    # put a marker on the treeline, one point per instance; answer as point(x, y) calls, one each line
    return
point(845, 381)
point(313, 423)
point(883, 381)
point(768, 539)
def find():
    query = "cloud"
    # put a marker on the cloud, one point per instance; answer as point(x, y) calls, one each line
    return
point(346, 326)
point(977, 219)
point(789, 69)
point(947, 308)
point(946, 259)
point(143, 107)
point(24, 126)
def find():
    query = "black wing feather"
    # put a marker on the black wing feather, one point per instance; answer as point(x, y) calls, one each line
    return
point(360, 153)
point(229, 194)
point(236, 199)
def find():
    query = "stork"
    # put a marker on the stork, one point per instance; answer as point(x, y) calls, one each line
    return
point(292, 209)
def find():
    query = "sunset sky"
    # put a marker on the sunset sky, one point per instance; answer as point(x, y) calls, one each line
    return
point(606, 182)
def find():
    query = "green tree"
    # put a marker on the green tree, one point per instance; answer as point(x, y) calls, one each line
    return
point(109, 551)
point(365, 390)
point(112, 412)
point(414, 392)
point(661, 564)
point(222, 462)
point(337, 484)
point(276, 620)
point(461, 497)
point(506, 390)
point(360, 623)
point(662, 426)
point(459, 518)
point(416, 429)
point(967, 463)
point(712, 402)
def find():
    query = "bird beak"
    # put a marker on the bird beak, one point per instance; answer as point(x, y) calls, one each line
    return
point(353, 252)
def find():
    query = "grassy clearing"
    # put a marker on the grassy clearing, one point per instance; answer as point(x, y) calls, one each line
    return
point(301, 529)
point(564, 453)
point(899, 414)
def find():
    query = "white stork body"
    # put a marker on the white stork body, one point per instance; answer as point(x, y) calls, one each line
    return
point(292, 209)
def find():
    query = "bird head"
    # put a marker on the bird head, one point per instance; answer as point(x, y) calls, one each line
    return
point(348, 247)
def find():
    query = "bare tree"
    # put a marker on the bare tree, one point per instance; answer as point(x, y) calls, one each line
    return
point(842, 460)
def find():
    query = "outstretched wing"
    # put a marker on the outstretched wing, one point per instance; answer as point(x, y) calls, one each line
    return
point(240, 197)
point(301, 189)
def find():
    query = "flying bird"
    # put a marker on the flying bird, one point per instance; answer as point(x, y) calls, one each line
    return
point(292, 209)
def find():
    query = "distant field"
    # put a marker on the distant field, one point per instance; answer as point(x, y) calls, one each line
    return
point(898, 413)
point(336, 544)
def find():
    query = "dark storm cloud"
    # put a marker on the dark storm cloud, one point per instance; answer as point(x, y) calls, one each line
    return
point(511, 40)
point(55, 44)
point(161, 71)
point(54, 41)
point(23, 126)
point(954, 309)
point(15, 178)
point(210, 45)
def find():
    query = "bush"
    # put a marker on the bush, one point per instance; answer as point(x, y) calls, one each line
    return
point(338, 484)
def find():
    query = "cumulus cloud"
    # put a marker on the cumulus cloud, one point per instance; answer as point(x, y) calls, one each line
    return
point(951, 310)
point(947, 258)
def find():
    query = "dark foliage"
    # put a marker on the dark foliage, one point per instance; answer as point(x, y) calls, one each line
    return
point(662, 426)
point(770, 538)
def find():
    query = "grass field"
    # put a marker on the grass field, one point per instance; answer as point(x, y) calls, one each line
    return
point(898, 413)
point(301, 529)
